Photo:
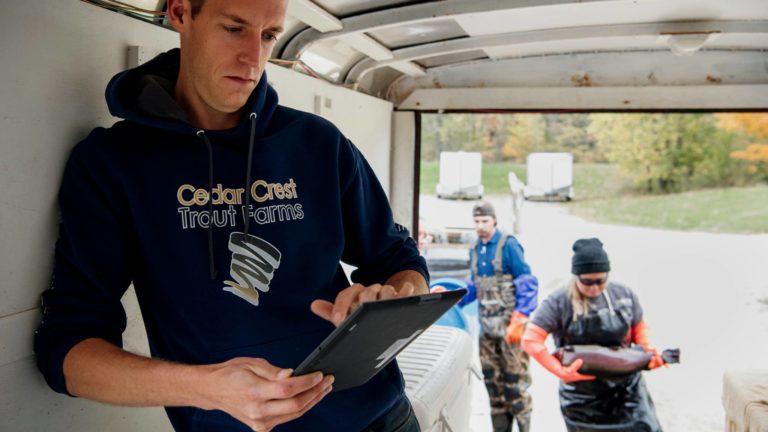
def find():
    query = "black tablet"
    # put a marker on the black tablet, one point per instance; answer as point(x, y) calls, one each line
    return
point(373, 335)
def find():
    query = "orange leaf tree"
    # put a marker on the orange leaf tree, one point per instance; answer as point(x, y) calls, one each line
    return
point(753, 127)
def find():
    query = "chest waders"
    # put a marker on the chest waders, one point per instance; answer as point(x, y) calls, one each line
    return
point(496, 294)
point(608, 404)
point(505, 367)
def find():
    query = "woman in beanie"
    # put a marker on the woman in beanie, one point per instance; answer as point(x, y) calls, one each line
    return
point(591, 310)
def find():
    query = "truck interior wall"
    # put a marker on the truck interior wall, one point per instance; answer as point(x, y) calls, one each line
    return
point(402, 169)
point(57, 58)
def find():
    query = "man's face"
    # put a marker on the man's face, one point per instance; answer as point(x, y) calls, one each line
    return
point(224, 51)
point(485, 226)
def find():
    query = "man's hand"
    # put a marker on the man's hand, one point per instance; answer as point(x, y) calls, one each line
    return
point(259, 394)
point(350, 298)
point(249, 389)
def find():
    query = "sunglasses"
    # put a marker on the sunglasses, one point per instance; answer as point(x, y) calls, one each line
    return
point(590, 282)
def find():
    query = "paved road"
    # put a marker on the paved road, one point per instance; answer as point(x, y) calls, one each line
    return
point(704, 293)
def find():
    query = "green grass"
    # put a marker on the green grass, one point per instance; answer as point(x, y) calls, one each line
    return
point(597, 181)
point(601, 196)
point(730, 210)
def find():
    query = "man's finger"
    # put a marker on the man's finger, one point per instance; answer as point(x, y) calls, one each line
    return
point(322, 308)
point(370, 293)
point(265, 369)
point(286, 388)
point(406, 290)
point(343, 302)
point(307, 406)
point(299, 402)
point(387, 292)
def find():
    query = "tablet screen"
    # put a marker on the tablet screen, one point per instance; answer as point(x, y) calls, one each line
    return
point(373, 335)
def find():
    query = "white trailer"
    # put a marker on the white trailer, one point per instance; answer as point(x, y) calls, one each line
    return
point(372, 68)
point(550, 176)
point(460, 175)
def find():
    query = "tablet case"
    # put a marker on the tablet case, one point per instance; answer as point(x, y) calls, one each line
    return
point(373, 335)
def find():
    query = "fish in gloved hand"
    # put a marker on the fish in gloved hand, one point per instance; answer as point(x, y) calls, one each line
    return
point(603, 361)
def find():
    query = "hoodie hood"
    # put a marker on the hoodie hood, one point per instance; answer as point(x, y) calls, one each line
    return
point(145, 95)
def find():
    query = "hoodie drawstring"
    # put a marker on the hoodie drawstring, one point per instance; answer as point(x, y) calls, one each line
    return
point(201, 134)
point(211, 262)
point(248, 173)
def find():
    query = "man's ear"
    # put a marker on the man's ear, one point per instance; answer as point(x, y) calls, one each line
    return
point(176, 12)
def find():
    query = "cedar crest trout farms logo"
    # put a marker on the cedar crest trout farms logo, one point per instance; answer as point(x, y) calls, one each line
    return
point(270, 204)
point(254, 260)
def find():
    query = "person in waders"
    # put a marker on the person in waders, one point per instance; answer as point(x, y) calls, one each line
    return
point(507, 294)
point(590, 310)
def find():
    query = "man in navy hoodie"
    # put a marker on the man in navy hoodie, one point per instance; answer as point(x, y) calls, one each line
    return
point(230, 215)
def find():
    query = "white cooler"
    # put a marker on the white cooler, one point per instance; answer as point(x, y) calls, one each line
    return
point(437, 368)
point(745, 399)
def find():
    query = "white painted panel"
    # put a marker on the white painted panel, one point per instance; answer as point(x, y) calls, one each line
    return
point(16, 331)
point(27, 405)
point(16, 337)
point(57, 57)
point(365, 120)
point(586, 13)
point(403, 153)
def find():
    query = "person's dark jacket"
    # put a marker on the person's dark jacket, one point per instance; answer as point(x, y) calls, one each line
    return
point(136, 208)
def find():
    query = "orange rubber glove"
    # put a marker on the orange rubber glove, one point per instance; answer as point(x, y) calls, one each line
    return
point(640, 337)
point(533, 343)
point(515, 328)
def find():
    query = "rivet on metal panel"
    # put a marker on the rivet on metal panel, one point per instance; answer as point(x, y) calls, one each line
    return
point(582, 80)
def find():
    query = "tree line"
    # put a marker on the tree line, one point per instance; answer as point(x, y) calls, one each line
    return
point(656, 152)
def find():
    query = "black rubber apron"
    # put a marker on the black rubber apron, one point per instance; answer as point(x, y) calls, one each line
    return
point(608, 404)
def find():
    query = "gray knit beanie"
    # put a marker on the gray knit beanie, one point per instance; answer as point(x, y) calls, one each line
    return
point(589, 257)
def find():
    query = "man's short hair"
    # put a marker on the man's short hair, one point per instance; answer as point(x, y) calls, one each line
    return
point(196, 5)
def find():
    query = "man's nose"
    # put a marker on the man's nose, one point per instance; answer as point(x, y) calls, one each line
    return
point(250, 51)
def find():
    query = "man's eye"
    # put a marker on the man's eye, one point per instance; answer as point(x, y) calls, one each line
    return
point(270, 37)
point(233, 30)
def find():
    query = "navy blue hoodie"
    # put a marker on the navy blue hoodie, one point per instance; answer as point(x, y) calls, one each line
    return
point(156, 202)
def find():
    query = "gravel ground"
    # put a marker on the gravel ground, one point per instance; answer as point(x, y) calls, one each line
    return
point(706, 294)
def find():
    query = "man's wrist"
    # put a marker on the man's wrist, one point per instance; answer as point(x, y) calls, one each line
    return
point(195, 386)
